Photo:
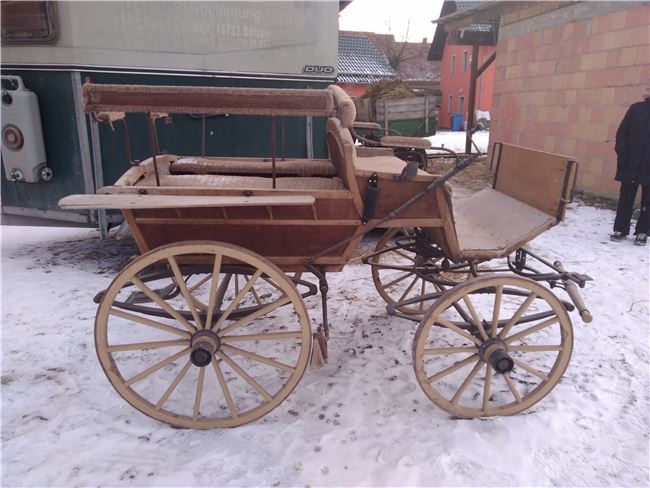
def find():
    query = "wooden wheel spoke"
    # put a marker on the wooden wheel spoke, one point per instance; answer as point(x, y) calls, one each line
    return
point(398, 280)
point(535, 348)
point(531, 330)
point(405, 256)
point(408, 290)
point(269, 336)
point(148, 322)
point(245, 376)
point(199, 283)
point(255, 315)
point(498, 295)
point(520, 311)
point(164, 305)
point(235, 301)
point(422, 292)
point(530, 369)
point(189, 299)
point(173, 385)
point(256, 296)
point(146, 345)
point(224, 389)
point(458, 330)
point(465, 384)
point(213, 302)
point(513, 388)
point(256, 357)
point(156, 367)
point(448, 350)
point(199, 394)
point(475, 317)
point(199, 304)
point(451, 369)
point(486, 387)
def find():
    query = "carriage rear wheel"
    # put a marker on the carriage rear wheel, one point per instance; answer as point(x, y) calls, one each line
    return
point(222, 339)
point(493, 345)
point(397, 271)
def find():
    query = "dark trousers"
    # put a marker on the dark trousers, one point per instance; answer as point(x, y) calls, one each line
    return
point(626, 206)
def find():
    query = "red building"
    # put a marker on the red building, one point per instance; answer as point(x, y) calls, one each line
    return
point(454, 83)
point(456, 59)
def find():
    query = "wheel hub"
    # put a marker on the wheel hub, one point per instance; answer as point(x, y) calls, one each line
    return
point(494, 352)
point(204, 344)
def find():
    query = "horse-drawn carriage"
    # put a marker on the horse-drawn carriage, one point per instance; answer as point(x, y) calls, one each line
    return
point(208, 327)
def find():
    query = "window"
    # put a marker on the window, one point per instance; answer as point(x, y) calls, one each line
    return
point(464, 66)
point(451, 103)
point(29, 22)
point(461, 105)
point(453, 65)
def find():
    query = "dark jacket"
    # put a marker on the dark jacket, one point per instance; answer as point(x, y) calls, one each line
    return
point(633, 145)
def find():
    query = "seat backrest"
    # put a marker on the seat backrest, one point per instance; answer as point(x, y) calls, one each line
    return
point(542, 180)
point(342, 154)
point(345, 109)
point(208, 100)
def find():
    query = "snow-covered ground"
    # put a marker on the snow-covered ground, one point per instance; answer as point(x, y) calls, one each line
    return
point(456, 140)
point(360, 421)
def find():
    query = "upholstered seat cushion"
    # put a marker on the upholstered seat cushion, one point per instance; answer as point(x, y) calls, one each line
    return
point(244, 182)
point(237, 166)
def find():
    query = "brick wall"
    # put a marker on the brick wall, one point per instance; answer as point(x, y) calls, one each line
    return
point(565, 75)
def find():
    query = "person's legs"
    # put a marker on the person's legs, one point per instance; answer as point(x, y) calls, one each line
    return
point(625, 207)
point(643, 224)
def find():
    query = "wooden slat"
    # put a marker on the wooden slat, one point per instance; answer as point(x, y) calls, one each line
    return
point(338, 195)
point(177, 201)
point(206, 100)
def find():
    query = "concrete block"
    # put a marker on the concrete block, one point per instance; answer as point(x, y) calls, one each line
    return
point(593, 61)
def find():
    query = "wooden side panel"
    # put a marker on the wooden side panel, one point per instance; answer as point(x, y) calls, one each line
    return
point(287, 235)
point(270, 239)
point(394, 193)
point(445, 234)
point(536, 178)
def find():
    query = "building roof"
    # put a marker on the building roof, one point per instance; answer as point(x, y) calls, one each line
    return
point(452, 10)
point(361, 62)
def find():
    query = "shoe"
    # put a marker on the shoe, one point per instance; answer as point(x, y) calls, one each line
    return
point(617, 236)
point(641, 239)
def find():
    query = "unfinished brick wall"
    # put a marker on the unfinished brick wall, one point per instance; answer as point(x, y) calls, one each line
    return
point(565, 78)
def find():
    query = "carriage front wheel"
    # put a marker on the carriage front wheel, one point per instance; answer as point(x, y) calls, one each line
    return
point(493, 345)
point(203, 334)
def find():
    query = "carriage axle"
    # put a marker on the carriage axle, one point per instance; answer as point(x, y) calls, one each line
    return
point(495, 354)
point(205, 343)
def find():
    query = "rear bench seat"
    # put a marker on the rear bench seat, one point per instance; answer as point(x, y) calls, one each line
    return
point(240, 166)
point(244, 182)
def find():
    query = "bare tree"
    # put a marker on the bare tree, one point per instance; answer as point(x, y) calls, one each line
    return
point(397, 52)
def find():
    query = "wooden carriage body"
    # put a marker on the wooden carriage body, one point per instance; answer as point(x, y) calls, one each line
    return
point(287, 210)
point(290, 210)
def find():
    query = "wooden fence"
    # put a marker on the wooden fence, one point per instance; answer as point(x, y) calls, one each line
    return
point(387, 110)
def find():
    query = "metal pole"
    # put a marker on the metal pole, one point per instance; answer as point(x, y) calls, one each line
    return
point(273, 148)
point(153, 142)
point(99, 176)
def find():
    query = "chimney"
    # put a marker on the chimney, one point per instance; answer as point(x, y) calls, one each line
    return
point(425, 40)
